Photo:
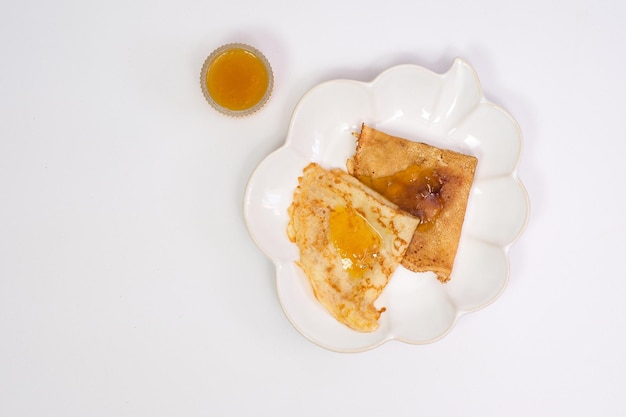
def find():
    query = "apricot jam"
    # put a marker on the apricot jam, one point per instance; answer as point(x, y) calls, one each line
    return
point(416, 190)
point(355, 240)
point(236, 79)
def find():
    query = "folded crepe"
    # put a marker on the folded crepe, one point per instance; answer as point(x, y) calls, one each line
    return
point(430, 183)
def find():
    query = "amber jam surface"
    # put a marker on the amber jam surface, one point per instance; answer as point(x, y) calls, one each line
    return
point(237, 78)
point(416, 190)
point(355, 240)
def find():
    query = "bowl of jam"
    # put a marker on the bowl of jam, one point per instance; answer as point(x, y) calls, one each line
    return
point(236, 79)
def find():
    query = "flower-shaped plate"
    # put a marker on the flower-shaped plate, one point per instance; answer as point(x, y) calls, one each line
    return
point(446, 110)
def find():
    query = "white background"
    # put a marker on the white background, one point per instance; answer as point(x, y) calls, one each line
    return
point(129, 285)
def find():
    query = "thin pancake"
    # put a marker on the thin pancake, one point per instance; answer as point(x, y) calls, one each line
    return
point(429, 182)
point(351, 239)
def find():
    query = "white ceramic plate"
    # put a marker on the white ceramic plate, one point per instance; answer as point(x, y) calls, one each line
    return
point(445, 110)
